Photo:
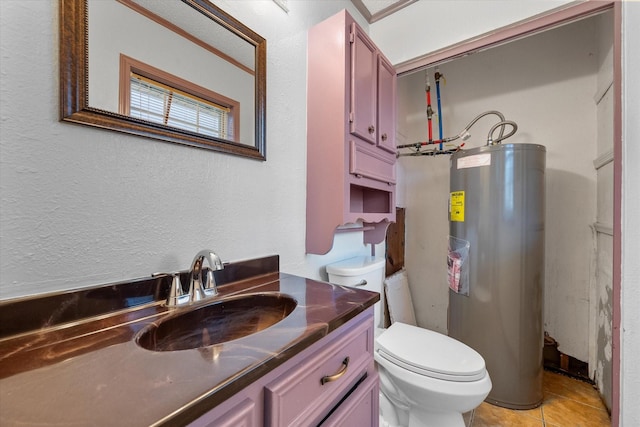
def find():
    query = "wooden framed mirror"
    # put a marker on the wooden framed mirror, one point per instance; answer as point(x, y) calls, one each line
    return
point(112, 51)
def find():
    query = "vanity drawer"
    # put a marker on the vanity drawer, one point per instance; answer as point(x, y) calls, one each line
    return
point(301, 397)
point(369, 161)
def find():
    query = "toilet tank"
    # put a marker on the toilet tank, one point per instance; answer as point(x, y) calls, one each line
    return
point(362, 272)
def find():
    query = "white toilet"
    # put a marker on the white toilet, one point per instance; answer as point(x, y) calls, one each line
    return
point(426, 378)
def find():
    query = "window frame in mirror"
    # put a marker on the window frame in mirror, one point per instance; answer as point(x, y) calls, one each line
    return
point(74, 82)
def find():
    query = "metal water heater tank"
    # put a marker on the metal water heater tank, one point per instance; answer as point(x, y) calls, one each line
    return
point(497, 211)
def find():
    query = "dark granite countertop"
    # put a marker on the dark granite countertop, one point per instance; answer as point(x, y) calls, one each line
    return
point(77, 363)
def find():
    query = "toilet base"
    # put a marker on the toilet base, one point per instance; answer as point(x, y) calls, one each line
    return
point(393, 416)
point(433, 420)
point(419, 418)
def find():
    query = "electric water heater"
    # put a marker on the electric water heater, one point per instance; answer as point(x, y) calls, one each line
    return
point(496, 265)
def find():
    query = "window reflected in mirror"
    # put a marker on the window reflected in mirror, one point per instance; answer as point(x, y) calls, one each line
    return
point(148, 93)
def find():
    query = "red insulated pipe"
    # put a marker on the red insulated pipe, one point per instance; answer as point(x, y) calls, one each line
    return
point(429, 112)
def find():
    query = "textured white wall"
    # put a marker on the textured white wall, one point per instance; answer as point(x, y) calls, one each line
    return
point(82, 206)
point(630, 295)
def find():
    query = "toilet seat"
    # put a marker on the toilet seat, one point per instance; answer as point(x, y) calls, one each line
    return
point(430, 353)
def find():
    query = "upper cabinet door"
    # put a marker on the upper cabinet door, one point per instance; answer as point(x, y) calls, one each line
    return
point(386, 105)
point(363, 109)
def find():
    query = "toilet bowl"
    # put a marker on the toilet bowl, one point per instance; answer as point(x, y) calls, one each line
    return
point(426, 378)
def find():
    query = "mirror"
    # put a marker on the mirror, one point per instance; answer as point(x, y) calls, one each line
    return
point(181, 71)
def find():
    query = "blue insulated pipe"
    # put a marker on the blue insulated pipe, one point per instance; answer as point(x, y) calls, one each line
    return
point(437, 76)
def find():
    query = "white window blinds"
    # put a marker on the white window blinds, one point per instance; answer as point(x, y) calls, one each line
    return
point(160, 103)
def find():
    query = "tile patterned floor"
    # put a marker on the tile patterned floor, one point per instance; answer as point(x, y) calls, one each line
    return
point(567, 403)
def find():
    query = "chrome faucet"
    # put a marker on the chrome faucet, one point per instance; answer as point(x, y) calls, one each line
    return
point(199, 288)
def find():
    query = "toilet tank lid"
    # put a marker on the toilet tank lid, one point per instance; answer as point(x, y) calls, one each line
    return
point(356, 266)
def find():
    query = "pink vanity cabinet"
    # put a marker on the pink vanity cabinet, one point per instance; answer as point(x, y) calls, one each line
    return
point(351, 116)
point(316, 387)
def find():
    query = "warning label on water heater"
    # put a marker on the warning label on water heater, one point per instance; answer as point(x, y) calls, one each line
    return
point(474, 161)
point(457, 206)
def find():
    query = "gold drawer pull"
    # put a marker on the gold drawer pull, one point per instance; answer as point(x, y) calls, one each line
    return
point(337, 375)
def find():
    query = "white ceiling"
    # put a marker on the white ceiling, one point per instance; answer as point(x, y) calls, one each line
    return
point(374, 10)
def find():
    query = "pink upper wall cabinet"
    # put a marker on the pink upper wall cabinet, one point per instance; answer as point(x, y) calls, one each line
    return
point(386, 105)
point(351, 119)
point(364, 78)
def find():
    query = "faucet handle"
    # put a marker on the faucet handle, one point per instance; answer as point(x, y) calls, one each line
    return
point(210, 288)
point(196, 289)
point(176, 295)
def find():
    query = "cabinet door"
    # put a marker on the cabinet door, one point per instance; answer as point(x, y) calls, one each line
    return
point(363, 111)
point(386, 105)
